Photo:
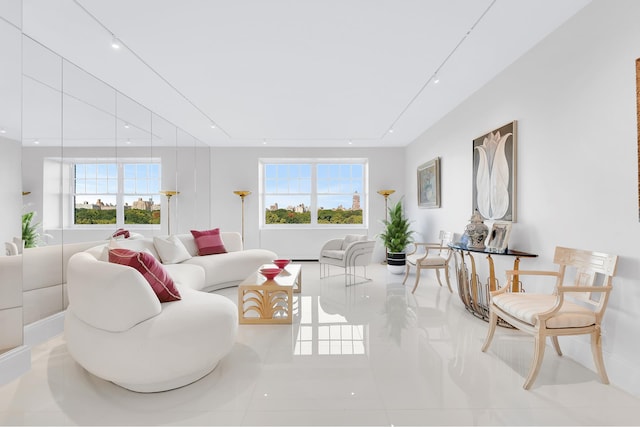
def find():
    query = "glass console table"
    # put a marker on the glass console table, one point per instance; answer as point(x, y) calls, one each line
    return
point(473, 293)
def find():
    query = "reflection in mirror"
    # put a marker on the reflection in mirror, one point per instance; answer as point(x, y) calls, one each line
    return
point(94, 160)
point(42, 132)
point(11, 190)
point(192, 180)
point(89, 147)
point(140, 168)
point(164, 143)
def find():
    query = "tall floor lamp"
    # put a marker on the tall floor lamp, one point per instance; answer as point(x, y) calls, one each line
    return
point(169, 194)
point(386, 194)
point(242, 194)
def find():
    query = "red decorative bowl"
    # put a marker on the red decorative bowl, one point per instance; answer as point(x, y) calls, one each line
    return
point(281, 263)
point(270, 273)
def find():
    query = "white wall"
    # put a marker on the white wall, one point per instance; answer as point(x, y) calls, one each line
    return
point(574, 99)
point(237, 169)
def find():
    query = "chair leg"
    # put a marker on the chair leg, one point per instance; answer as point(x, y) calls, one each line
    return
point(493, 322)
point(406, 273)
point(438, 276)
point(537, 361)
point(446, 277)
point(417, 280)
point(556, 344)
point(596, 349)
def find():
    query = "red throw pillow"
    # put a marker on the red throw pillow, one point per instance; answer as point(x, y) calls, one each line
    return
point(121, 232)
point(151, 270)
point(209, 242)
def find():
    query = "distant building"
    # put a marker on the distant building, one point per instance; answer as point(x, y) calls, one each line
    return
point(98, 205)
point(144, 205)
point(355, 206)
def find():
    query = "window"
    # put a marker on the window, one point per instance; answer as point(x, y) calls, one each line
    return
point(315, 192)
point(116, 193)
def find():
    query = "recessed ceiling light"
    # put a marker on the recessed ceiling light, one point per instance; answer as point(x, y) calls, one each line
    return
point(436, 80)
point(3, 130)
point(264, 142)
point(127, 125)
point(213, 125)
point(350, 142)
point(115, 43)
point(391, 130)
point(128, 141)
point(36, 141)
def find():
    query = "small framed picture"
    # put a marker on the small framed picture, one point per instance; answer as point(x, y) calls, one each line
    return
point(498, 239)
point(429, 184)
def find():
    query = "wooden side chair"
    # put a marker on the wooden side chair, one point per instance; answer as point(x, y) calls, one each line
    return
point(436, 257)
point(577, 305)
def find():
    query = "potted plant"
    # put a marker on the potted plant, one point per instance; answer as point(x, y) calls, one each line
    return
point(396, 237)
point(30, 235)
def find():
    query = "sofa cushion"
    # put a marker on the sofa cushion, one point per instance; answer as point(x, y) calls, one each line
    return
point(153, 272)
point(136, 245)
point(100, 252)
point(186, 275)
point(209, 242)
point(171, 250)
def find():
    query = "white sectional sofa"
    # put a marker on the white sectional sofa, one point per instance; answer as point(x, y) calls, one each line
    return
point(117, 329)
point(203, 273)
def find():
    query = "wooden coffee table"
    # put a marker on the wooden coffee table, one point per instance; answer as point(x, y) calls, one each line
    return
point(269, 301)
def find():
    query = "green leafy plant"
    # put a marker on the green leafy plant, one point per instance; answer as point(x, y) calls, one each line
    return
point(30, 234)
point(397, 234)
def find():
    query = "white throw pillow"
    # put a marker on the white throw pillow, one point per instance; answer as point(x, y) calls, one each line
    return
point(100, 252)
point(171, 250)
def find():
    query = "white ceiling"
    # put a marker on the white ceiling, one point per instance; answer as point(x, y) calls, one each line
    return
point(296, 73)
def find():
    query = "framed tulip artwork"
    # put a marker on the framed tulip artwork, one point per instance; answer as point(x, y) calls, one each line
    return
point(494, 174)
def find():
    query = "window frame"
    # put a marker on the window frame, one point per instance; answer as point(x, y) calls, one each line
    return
point(314, 194)
point(119, 195)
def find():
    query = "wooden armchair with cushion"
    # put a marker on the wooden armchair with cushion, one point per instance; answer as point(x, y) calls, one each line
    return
point(577, 305)
point(436, 256)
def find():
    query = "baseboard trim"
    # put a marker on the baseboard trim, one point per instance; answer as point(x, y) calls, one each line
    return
point(14, 363)
point(44, 329)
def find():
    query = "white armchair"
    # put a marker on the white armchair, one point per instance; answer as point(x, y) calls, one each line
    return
point(351, 251)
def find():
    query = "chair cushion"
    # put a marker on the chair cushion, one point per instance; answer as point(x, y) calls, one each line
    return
point(526, 306)
point(430, 261)
point(350, 238)
point(335, 254)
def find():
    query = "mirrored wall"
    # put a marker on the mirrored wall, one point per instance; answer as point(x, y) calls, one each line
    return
point(89, 160)
point(11, 332)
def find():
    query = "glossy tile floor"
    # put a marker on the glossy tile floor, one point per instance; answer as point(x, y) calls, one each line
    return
point(369, 354)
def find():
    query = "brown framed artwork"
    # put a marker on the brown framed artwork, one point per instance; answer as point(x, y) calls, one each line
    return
point(494, 174)
point(429, 184)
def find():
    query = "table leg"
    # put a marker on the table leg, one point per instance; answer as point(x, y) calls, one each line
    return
point(515, 285)
point(474, 282)
point(493, 285)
